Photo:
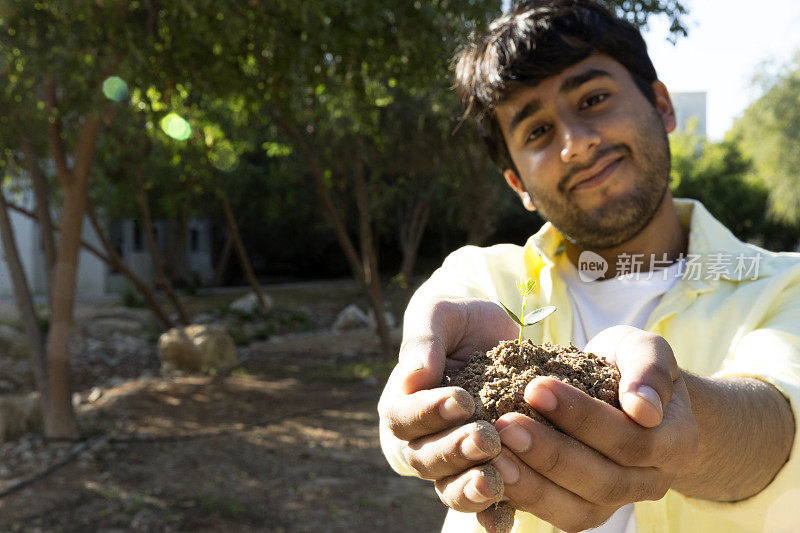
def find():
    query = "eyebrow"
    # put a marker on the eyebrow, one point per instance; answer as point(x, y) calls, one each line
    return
point(569, 85)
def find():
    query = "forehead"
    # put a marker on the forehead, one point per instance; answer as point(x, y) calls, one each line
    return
point(551, 86)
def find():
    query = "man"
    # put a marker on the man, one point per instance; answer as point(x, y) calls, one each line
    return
point(705, 329)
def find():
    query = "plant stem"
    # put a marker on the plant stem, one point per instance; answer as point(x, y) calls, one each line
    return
point(522, 317)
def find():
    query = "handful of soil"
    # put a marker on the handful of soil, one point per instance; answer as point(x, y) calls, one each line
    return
point(497, 379)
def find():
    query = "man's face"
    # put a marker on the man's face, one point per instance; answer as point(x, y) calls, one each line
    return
point(592, 152)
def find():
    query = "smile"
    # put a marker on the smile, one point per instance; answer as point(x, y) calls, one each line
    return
point(595, 177)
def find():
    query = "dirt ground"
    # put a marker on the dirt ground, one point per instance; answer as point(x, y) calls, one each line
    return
point(286, 441)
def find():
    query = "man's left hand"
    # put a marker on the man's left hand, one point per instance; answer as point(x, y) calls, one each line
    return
point(602, 458)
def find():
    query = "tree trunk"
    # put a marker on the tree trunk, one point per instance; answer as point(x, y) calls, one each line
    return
point(161, 276)
point(59, 417)
point(481, 197)
point(411, 233)
point(115, 261)
point(41, 190)
point(224, 259)
point(369, 282)
point(24, 301)
point(233, 232)
point(369, 256)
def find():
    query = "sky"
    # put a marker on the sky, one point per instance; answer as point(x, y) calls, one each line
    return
point(728, 42)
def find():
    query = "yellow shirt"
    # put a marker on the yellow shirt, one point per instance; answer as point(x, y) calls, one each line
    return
point(743, 320)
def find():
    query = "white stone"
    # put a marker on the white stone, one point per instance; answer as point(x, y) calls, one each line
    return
point(248, 304)
point(351, 317)
point(95, 394)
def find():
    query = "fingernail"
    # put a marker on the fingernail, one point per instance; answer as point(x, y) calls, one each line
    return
point(471, 491)
point(516, 438)
point(649, 395)
point(541, 398)
point(508, 470)
point(452, 409)
point(471, 450)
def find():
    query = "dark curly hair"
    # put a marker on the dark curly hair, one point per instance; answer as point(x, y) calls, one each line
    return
point(536, 40)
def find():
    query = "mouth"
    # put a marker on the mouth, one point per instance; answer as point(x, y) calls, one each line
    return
point(597, 174)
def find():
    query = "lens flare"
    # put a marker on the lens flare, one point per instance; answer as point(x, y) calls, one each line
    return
point(176, 127)
point(115, 88)
point(224, 158)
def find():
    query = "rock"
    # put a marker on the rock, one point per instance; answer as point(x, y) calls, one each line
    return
point(248, 304)
point(19, 414)
point(351, 317)
point(196, 348)
point(13, 342)
point(94, 395)
point(391, 321)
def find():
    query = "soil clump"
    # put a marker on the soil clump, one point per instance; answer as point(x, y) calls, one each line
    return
point(496, 379)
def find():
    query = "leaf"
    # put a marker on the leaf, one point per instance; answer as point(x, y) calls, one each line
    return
point(537, 315)
point(511, 314)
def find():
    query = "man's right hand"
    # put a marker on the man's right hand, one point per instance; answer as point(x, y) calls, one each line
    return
point(427, 421)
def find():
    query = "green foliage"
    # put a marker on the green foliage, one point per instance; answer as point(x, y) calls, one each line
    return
point(769, 133)
point(349, 372)
point(718, 174)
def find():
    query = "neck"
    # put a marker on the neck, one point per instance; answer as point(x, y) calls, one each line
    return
point(662, 235)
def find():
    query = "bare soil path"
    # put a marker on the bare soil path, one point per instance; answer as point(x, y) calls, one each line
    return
point(288, 441)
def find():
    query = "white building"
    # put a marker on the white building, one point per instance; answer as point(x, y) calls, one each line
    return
point(688, 106)
point(95, 277)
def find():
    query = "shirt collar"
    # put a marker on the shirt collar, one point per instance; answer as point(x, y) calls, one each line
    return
point(707, 236)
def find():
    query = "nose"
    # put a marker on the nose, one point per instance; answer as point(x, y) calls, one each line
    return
point(579, 138)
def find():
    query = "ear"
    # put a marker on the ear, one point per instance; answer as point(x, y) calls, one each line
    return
point(664, 106)
point(515, 183)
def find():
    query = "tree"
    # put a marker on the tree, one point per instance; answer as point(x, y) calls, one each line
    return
point(769, 133)
point(56, 60)
point(720, 176)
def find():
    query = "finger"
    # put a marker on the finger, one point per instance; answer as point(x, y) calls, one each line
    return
point(452, 451)
point(593, 422)
point(647, 368)
point(497, 518)
point(535, 494)
point(429, 331)
point(574, 466)
point(427, 411)
point(471, 491)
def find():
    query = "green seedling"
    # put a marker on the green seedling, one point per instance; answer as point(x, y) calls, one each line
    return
point(525, 289)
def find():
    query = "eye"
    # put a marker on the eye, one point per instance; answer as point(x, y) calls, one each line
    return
point(594, 100)
point(538, 132)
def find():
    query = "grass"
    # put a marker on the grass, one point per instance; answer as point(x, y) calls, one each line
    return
point(349, 372)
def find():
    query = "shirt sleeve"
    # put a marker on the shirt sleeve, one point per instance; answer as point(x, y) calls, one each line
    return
point(770, 353)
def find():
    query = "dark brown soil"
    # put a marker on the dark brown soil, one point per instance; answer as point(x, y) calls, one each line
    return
point(496, 379)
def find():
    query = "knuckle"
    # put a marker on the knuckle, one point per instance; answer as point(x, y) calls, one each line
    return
point(552, 463)
point(413, 460)
point(594, 517)
point(660, 489)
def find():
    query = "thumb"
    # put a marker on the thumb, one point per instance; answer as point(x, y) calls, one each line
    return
point(647, 369)
point(421, 364)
